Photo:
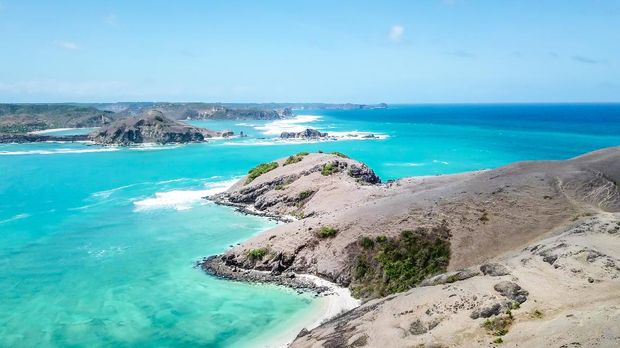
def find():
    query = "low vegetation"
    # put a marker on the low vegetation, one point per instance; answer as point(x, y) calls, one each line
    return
point(260, 170)
point(327, 232)
point(397, 264)
point(536, 314)
point(328, 169)
point(304, 194)
point(340, 154)
point(295, 158)
point(257, 254)
point(367, 243)
point(499, 325)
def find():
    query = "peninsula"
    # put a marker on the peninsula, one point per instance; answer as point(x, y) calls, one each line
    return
point(527, 254)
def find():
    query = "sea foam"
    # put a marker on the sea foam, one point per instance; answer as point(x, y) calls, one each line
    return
point(181, 199)
point(56, 152)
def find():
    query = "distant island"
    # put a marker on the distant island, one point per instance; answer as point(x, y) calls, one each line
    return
point(18, 121)
point(519, 253)
point(153, 127)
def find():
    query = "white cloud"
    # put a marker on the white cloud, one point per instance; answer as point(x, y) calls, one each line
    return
point(111, 20)
point(67, 45)
point(396, 33)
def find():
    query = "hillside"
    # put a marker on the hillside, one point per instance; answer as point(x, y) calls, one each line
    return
point(386, 239)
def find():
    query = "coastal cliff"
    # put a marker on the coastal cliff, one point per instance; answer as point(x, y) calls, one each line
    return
point(152, 127)
point(435, 257)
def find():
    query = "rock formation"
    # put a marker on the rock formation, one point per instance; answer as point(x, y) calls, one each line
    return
point(152, 127)
point(308, 133)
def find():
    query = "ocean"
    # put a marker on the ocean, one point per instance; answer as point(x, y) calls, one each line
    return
point(98, 244)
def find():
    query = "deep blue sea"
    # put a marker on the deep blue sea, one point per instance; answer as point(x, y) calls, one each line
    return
point(98, 244)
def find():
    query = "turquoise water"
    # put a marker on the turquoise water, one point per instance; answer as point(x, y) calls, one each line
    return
point(97, 245)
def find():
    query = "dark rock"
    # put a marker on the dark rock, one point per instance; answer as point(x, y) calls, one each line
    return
point(363, 174)
point(303, 332)
point(512, 291)
point(309, 133)
point(486, 312)
point(418, 328)
point(494, 269)
point(550, 259)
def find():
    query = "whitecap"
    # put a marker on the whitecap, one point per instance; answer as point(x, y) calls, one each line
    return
point(295, 124)
point(153, 147)
point(414, 164)
point(57, 151)
point(357, 135)
point(53, 130)
point(181, 199)
point(16, 217)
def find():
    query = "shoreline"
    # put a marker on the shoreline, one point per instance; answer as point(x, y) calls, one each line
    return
point(331, 303)
point(334, 299)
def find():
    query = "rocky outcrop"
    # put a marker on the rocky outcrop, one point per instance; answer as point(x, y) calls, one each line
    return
point(152, 127)
point(308, 133)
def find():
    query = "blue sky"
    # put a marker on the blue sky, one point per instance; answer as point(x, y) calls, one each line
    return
point(416, 51)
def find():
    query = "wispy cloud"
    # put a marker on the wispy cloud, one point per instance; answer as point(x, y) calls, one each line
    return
point(396, 33)
point(111, 20)
point(67, 45)
point(461, 54)
point(585, 60)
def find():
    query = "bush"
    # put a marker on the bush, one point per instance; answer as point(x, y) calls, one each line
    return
point(498, 325)
point(257, 254)
point(327, 232)
point(305, 194)
point(340, 154)
point(296, 158)
point(328, 169)
point(399, 264)
point(367, 243)
point(260, 170)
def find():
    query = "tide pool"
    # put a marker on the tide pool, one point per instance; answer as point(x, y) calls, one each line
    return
point(98, 244)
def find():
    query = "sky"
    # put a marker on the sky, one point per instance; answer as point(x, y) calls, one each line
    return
point(413, 51)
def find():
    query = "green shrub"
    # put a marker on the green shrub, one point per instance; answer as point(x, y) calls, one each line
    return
point(295, 158)
point(537, 314)
point(498, 325)
point(327, 232)
point(340, 154)
point(260, 170)
point(498, 340)
point(399, 264)
point(367, 243)
point(304, 194)
point(328, 169)
point(280, 187)
point(257, 254)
